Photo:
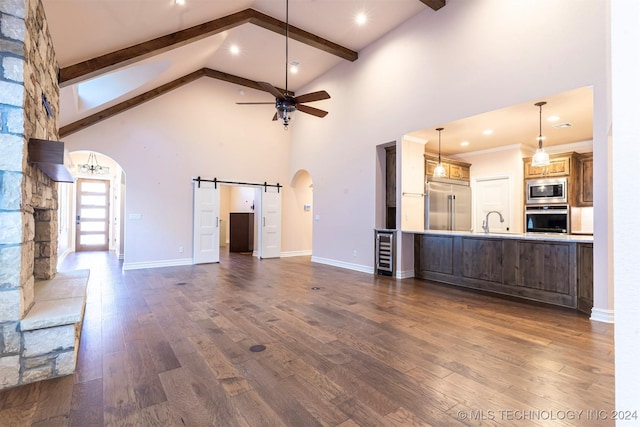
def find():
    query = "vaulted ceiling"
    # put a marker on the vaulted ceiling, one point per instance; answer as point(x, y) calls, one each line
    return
point(114, 55)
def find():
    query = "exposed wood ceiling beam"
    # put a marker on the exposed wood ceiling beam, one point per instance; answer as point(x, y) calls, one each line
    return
point(277, 26)
point(154, 93)
point(110, 61)
point(434, 4)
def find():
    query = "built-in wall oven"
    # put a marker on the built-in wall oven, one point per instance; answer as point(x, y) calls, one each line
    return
point(546, 191)
point(547, 219)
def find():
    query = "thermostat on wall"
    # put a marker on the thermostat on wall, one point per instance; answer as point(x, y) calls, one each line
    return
point(307, 207)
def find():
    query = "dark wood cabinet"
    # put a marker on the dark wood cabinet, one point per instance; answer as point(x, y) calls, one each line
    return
point(585, 278)
point(390, 187)
point(554, 272)
point(241, 232)
point(577, 167)
point(390, 177)
point(584, 180)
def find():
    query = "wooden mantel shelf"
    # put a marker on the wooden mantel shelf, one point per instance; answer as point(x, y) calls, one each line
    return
point(48, 156)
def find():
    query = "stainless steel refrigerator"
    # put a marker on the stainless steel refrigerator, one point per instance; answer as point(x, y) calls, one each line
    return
point(448, 206)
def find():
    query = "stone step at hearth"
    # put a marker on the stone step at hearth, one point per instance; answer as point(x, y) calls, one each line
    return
point(59, 301)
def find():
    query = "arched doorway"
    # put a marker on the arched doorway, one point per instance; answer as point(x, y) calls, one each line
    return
point(94, 207)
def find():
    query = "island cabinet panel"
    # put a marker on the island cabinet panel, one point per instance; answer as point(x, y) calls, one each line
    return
point(545, 266)
point(540, 270)
point(482, 259)
point(437, 255)
point(585, 278)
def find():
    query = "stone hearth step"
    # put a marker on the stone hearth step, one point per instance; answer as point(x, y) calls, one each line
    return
point(59, 301)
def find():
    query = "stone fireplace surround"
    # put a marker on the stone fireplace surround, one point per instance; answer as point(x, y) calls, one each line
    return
point(40, 311)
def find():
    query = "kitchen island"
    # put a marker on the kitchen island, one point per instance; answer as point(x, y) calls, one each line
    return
point(551, 268)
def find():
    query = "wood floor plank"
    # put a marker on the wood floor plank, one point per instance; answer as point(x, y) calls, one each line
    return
point(119, 399)
point(86, 404)
point(171, 346)
point(54, 409)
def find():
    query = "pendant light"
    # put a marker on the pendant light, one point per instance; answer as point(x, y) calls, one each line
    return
point(92, 166)
point(541, 158)
point(439, 171)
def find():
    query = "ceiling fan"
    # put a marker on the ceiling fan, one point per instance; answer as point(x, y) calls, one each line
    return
point(285, 103)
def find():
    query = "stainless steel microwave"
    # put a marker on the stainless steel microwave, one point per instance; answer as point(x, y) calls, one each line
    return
point(546, 191)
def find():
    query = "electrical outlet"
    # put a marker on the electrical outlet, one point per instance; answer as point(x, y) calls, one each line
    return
point(181, 249)
point(355, 253)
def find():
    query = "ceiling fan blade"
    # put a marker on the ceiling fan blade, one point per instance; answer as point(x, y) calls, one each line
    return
point(313, 111)
point(254, 103)
point(313, 96)
point(275, 117)
point(268, 87)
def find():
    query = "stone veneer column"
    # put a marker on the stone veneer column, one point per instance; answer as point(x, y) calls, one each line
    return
point(28, 70)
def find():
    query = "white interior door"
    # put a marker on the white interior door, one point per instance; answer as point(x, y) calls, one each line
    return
point(270, 232)
point(493, 194)
point(206, 223)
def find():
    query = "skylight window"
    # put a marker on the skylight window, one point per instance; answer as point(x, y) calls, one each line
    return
point(108, 87)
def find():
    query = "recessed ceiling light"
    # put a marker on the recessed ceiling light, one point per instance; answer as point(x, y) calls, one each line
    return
point(294, 66)
point(464, 143)
point(235, 50)
point(361, 18)
point(553, 118)
point(180, 2)
point(487, 132)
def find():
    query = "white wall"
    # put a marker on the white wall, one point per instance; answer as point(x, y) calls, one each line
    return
point(196, 130)
point(503, 162)
point(625, 64)
point(468, 58)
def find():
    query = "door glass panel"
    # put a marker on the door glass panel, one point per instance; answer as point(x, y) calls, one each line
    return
point(92, 213)
point(92, 239)
point(93, 187)
point(93, 200)
point(92, 226)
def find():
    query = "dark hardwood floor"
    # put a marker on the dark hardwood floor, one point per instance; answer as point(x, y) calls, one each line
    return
point(171, 347)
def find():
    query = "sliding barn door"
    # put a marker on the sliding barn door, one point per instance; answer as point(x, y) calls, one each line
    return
point(206, 223)
point(270, 223)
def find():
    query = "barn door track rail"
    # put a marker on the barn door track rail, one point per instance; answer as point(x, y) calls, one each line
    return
point(216, 181)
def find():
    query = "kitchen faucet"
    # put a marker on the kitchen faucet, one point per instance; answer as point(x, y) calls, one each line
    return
point(485, 223)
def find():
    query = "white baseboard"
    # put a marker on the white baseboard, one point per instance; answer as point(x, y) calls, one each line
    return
point(295, 253)
point(601, 315)
point(405, 274)
point(157, 264)
point(64, 254)
point(341, 264)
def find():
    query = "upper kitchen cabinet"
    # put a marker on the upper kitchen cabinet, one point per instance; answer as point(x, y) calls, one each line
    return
point(584, 180)
point(390, 176)
point(577, 167)
point(559, 165)
point(454, 169)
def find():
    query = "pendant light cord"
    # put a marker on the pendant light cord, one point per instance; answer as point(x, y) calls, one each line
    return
point(540, 104)
point(439, 143)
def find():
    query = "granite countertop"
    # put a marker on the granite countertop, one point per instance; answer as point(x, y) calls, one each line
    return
point(554, 237)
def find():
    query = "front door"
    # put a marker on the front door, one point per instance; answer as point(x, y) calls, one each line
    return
point(92, 215)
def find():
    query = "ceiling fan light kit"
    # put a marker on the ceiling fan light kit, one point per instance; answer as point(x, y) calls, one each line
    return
point(286, 104)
